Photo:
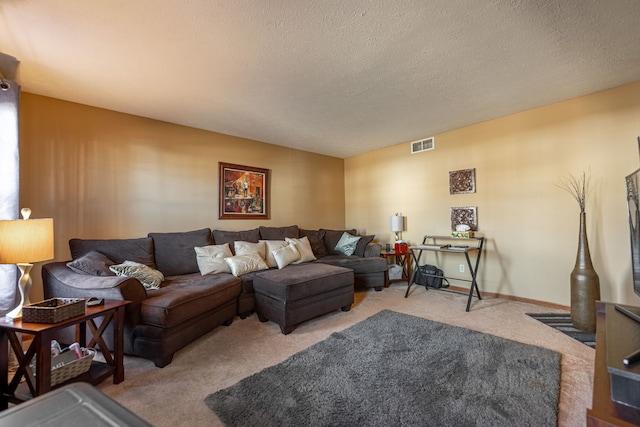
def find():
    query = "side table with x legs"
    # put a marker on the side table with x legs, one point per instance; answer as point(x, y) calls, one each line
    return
point(40, 349)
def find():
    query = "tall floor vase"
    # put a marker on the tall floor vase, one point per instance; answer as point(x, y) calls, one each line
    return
point(585, 285)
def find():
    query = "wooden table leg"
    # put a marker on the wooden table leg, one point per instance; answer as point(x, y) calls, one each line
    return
point(43, 364)
point(4, 370)
point(118, 345)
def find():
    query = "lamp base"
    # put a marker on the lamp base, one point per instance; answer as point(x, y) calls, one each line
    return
point(24, 287)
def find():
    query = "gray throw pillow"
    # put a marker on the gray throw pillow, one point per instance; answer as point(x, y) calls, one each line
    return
point(119, 250)
point(93, 263)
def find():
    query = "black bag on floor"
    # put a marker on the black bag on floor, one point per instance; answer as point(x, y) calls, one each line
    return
point(431, 276)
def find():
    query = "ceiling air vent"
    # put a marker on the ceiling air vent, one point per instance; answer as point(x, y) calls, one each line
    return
point(423, 145)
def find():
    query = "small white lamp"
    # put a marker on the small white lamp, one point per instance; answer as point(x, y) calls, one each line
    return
point(397, 225)
point(22, 242)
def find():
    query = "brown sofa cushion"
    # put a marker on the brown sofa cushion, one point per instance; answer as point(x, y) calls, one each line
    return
point(119, 250)
point(300, 281)
point(279, 233)
point(175, 253)
point(184, 297)
point(362, 244)
point(316, 240)
point(221, 237)
point(359, 265)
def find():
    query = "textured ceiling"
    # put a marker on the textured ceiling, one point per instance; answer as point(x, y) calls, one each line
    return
point(329, 76)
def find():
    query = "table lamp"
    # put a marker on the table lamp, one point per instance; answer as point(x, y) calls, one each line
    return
point(397, 224)
point(22, 242)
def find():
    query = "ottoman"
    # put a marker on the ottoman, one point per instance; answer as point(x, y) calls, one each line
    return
point(298, 293)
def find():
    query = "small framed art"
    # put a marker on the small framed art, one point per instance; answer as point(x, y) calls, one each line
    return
point(466, 215)
point(462, 181)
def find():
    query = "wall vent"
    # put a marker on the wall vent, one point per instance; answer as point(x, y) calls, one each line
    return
point(423, 145)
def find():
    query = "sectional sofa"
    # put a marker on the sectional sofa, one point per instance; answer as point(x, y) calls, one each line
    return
point(182, 285)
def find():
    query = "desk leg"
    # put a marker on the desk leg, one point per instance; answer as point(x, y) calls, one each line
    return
point(406, 267)
point(416, 270)
point(474, 282)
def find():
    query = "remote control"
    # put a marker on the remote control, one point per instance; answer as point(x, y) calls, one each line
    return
point(632, 358)
point(93, 301)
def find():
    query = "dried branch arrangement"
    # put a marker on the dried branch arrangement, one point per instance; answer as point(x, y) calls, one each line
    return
point(578, 186)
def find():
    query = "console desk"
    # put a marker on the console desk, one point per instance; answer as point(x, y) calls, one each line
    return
point(461, 246)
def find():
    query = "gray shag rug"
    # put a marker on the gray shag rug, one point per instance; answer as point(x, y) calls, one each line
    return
point(393, 369)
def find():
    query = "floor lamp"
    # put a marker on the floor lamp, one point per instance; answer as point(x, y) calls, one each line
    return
point(23, 242)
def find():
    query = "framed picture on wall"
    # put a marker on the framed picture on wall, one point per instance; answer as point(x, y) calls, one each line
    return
point(466, 215)
point(243, 192)
point(462, 181)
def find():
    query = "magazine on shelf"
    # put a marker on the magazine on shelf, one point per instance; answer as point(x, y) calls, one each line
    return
point(434, 247)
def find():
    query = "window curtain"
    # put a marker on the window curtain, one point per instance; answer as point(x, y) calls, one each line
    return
point(9, 182)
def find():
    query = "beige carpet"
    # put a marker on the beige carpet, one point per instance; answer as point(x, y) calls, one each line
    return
point(174, 395)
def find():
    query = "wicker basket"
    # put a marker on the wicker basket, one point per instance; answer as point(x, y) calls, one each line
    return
point(66, 366)
point(53, 310)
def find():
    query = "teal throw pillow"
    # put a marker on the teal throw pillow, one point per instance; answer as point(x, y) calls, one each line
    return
point(347, 244)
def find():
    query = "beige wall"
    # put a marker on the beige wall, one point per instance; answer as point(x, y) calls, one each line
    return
point(102, 174)
point(531, 225)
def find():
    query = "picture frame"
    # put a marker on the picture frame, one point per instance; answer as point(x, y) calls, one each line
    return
point(464, 215)
point(462, 181)
point(243, 192)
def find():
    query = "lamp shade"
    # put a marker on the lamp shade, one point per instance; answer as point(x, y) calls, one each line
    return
point(25, 241)
point(397, 223)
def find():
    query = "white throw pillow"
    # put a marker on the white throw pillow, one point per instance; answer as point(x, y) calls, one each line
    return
point(272, 245)
point(150, 278)
point(211, 258)
point(243, 264)
point(241, 247)
point(286, 255)
point(304, 247)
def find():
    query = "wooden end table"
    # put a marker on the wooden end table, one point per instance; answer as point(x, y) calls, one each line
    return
point(605, 412)
point(403, 259)
point(40, 348)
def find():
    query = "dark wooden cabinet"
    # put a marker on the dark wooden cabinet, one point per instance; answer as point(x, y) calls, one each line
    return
point(604, 411)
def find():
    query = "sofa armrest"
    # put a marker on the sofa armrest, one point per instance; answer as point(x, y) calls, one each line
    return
point(372, 250)
point(59, 281)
